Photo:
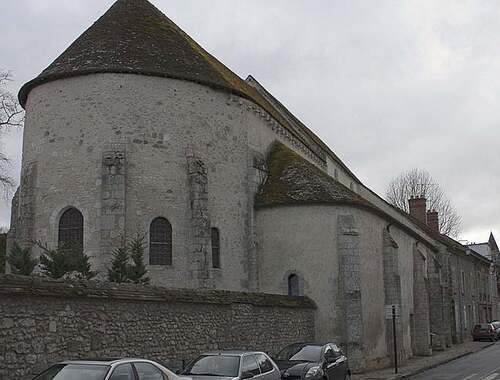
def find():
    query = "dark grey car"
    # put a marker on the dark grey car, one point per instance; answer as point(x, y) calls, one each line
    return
point(313, 361)
point(235, 365)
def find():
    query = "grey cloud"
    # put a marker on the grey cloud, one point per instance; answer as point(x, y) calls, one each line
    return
point(388, 85)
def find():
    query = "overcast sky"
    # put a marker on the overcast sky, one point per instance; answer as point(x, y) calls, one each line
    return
point(388, 85)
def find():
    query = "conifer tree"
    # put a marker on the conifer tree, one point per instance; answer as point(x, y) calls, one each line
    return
point(137, 271)
point(119, 271)
point(53, 262)
point(20, 260)
point(58, 262)
point(79, 262)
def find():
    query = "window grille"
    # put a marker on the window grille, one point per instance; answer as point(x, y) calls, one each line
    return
point(215, 247)
point(160, 242)
point(71, 230)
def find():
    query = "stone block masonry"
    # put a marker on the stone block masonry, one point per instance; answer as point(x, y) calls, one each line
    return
point(44, 321)
point(421, 323)
point(350, 313)
point(200, 219)
point(392, 296)
point(113, 203)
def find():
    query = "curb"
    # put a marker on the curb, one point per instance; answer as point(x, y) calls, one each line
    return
point(444, 361)
point(423, 369)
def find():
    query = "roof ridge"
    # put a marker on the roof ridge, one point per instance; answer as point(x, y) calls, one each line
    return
point(316, 139)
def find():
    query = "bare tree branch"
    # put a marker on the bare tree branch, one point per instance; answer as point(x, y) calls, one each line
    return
point(11, 112)
point(419, 183)
point(11, 115)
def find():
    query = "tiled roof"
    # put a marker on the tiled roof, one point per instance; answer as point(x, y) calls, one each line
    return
point(135, 37)
point(294, 180)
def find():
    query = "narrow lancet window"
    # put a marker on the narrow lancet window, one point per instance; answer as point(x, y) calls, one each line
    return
point(71, 230)
point(293, 285)
point(160, 242)
point(215, 247)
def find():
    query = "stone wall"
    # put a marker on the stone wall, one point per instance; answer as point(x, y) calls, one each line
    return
point(346, 264)
point(349, 313)
point(114, 146)
point(45, 321)
point(392, 293)
point(421, 323)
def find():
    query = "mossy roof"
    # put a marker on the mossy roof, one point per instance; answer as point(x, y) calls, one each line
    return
point(318, 143)
point(292, 180)
point(133, 36)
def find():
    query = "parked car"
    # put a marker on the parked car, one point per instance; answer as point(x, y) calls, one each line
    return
point(496, 326)
point(232, 365)
point(108, 369)
point(311, 361)
point(484, 331)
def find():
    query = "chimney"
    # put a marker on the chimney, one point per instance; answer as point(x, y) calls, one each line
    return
point(418, 208)
point(433, 220)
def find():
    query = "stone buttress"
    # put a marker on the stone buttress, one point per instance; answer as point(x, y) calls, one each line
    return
point(350, 318)
point(113, 200)
point(392, 295)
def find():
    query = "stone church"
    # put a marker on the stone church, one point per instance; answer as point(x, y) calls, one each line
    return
point(135, 128)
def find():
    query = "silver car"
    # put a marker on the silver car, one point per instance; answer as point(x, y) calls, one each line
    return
point(235, 365)
point(108, 369)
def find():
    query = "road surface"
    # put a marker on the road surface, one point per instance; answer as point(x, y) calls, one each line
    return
point(482, 365)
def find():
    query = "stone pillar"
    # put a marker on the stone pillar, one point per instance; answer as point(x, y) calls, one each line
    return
point(200, 220)
point(349, 311)
point(113, 200)
point(256, 177)
point(25, 207)
point(392, 295)
point(447, 297)
point(421, 323)
point(12, 233)
point(436, 304)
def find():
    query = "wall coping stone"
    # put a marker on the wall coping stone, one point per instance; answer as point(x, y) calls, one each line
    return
point(44, 287)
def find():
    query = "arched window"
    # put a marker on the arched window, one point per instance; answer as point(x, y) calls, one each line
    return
point(160, 242)
point(215, 247)
point(293, 285)
point(71, 230)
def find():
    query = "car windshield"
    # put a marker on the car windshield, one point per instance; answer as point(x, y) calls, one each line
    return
point(482, 326)
point(301, 352)
point(214, 365)
point(74, 372)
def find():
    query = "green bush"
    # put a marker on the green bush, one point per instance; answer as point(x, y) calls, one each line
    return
point(122, 270)
point(20, 260)
point(138, 269)
point(119, 266)
point(58, 262)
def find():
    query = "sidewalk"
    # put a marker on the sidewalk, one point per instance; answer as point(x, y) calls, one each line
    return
point(419, 364)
